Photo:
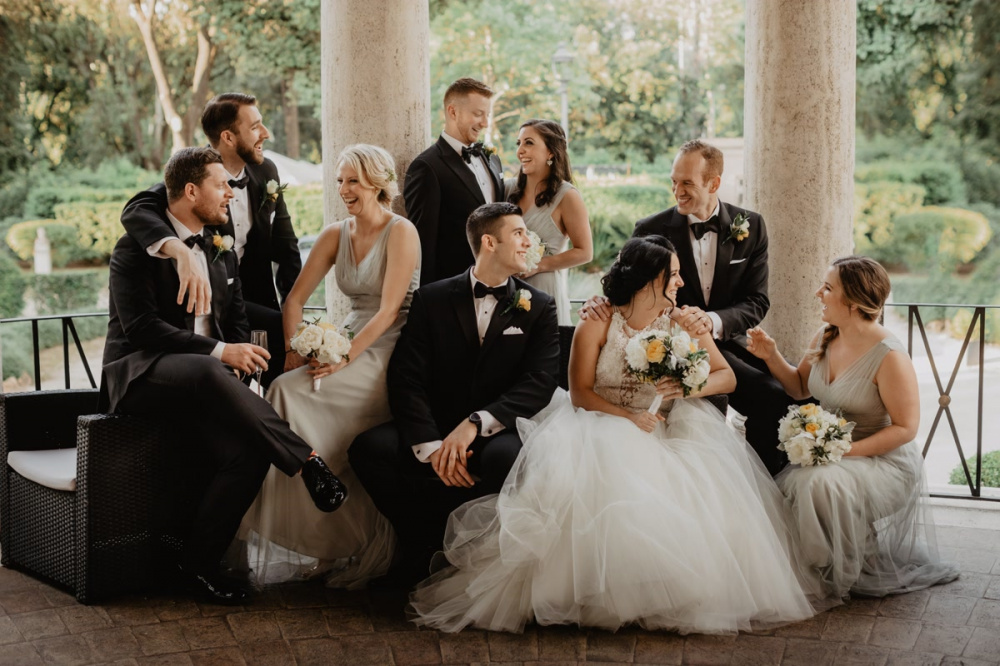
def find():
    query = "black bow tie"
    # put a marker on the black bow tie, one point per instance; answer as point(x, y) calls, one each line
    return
point(700, 228)
point(480, 290)
point(204, 242)
point(239, 183)
point(475, 149)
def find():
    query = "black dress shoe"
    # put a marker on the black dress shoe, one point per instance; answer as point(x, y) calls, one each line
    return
point(214, 588)
point(327, 491)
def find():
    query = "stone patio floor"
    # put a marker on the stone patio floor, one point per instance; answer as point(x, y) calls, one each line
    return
point(305, 623)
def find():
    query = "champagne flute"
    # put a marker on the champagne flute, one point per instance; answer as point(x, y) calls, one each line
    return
point(259, 338)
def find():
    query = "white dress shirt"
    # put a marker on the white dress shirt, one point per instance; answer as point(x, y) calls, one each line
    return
point(477, 165)
point(705, 251)
point(202, 323)
point(239, 211)
point(485, 307)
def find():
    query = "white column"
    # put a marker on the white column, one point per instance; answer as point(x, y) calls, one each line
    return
point(799, 160)
point(376, 89)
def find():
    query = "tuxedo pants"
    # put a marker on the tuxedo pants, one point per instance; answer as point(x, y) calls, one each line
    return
point(762, 400)
point(223, 428)
point(268, 319)
point(412, 496)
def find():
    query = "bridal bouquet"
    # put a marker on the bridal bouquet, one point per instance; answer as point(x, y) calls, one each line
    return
point(321, 341)
point(657, 354)
point(810, 435)
point(535, 252)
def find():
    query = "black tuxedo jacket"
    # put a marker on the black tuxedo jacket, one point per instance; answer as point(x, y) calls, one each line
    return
point(739, 286)
point(440, 193)
point(269, 240)
point(439, 374)
point(146, 322)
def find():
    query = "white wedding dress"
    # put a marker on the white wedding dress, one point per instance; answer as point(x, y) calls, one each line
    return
point(601, 524)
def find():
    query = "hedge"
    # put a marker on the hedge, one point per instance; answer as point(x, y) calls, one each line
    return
point(934, 236)
point(614, 210)
point(99, 224)
point(42, 201)
point(942, 181)
point(64, 239)
point(876, 205)
point(305, 205)
point(990, 475)
point(11, 287)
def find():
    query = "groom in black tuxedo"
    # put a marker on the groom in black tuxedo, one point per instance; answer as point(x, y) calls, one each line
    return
point(449, 180)
point(478, 351)
point(723, 255)
point(258, 221)
point(176, 367)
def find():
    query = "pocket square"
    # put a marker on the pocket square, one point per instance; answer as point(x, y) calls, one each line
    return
point(230, 280)
point(737, 261)
point(513, 330)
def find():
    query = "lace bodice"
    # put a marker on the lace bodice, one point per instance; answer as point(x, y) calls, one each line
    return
point(612, 380)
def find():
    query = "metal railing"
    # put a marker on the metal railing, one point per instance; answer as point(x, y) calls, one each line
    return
point(916, 328)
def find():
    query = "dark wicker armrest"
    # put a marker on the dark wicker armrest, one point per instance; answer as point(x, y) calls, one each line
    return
point(115, 452)
point(42, 419)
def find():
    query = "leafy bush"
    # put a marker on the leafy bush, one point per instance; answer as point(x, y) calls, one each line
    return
point(64, 240)
point(99, 224)
point(982, 177)
point(42, 201)
point(18, 355)
point(11, 287)
point(990, 475)
point(936, 236)
point(613, 213)
point(876, 205)
point(305, 205)
point(67, 292)
point(941, 181)
point(977, 289)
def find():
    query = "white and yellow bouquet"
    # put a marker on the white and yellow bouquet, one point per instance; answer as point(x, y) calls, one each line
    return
point(535, 252)
point(810, 435)
point(657, 354)
point(321, 341)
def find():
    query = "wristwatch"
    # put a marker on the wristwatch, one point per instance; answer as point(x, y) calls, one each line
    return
point(477, 421)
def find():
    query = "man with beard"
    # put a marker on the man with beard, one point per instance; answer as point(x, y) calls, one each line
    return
point(162, 363)
point(258, 222)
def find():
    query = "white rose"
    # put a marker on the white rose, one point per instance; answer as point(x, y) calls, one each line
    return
point(799, 449)
point(635, 355)
point(336, 341)
point(680, 345)
point(227, 243)
point(696, 376)
point(272, 186)
point(787, 429)
point(308, 340)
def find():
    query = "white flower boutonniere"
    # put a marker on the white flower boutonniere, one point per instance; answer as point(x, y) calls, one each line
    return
point(222, 245)
point(521, 300)
point(489, 150)
point(739, 230)
point(272, 190)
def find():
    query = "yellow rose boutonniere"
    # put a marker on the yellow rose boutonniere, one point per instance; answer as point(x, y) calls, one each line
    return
point(739, 230)
point(222, 244)
point(520, 301)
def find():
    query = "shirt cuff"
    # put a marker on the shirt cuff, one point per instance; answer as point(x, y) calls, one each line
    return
point(154, 248)
point(423, 451)
point(217, 352)
point(490, 425)
point(717, 331)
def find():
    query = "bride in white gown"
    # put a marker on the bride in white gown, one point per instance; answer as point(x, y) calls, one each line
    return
point(612, 515)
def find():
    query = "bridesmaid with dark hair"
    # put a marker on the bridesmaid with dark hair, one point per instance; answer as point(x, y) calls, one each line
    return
point(552, 207)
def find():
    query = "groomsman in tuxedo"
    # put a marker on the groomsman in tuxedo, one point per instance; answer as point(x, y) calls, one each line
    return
point(165, 363)
point(258, 221)
point(452, 178)
point(723, 255)
point(478, 351)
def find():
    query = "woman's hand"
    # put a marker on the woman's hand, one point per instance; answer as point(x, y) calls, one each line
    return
point(293, 360)
point(645, 421)
point(669, 388)
point(760, 344)
point(527, 274)
point(319, 370)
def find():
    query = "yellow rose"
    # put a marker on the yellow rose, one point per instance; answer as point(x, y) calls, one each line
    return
point(524, 304)
point(842, 422)
point(743, 235)
point(217, 241)
point(693, 347)
point(808, 409)
point(656, 351)
point(812, 428)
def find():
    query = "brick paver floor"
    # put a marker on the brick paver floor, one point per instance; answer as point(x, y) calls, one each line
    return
point(305, 623)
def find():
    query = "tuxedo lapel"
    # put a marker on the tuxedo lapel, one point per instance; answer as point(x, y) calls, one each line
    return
point(259, 222)
point(460, 169)
point(496, 172)
point(220, 285)
point(680, 236)
point(723, 255)
point(465, 309)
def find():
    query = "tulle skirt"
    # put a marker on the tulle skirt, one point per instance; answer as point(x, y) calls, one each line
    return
point(864, 524)
point(603, 525)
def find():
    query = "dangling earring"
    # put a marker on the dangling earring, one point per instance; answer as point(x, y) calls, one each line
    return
point(549, 161)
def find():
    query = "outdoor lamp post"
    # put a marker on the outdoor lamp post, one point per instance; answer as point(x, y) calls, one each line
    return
point(560, 64)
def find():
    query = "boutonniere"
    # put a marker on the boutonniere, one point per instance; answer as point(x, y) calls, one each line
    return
point(272, 190)
point(521, 300)
point(739, 230)
point(222, 245)
point(489, 150)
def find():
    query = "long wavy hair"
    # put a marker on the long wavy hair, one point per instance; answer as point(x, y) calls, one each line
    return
point(866, 286)
point(554, 139)
point(640, 262)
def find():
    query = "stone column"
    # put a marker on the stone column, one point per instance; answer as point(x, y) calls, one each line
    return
point(376, 89)
point(799, 160)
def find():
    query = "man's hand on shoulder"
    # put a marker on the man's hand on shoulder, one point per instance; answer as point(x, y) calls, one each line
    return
point(245, 357)
point(596, 307)
point(450, 462)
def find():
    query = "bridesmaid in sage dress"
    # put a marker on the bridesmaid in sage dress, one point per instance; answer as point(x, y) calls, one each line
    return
point(375, 255)
point(552, 207)
point(863, 523)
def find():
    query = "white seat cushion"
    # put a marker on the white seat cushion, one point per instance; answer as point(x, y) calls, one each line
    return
point(52, 468)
